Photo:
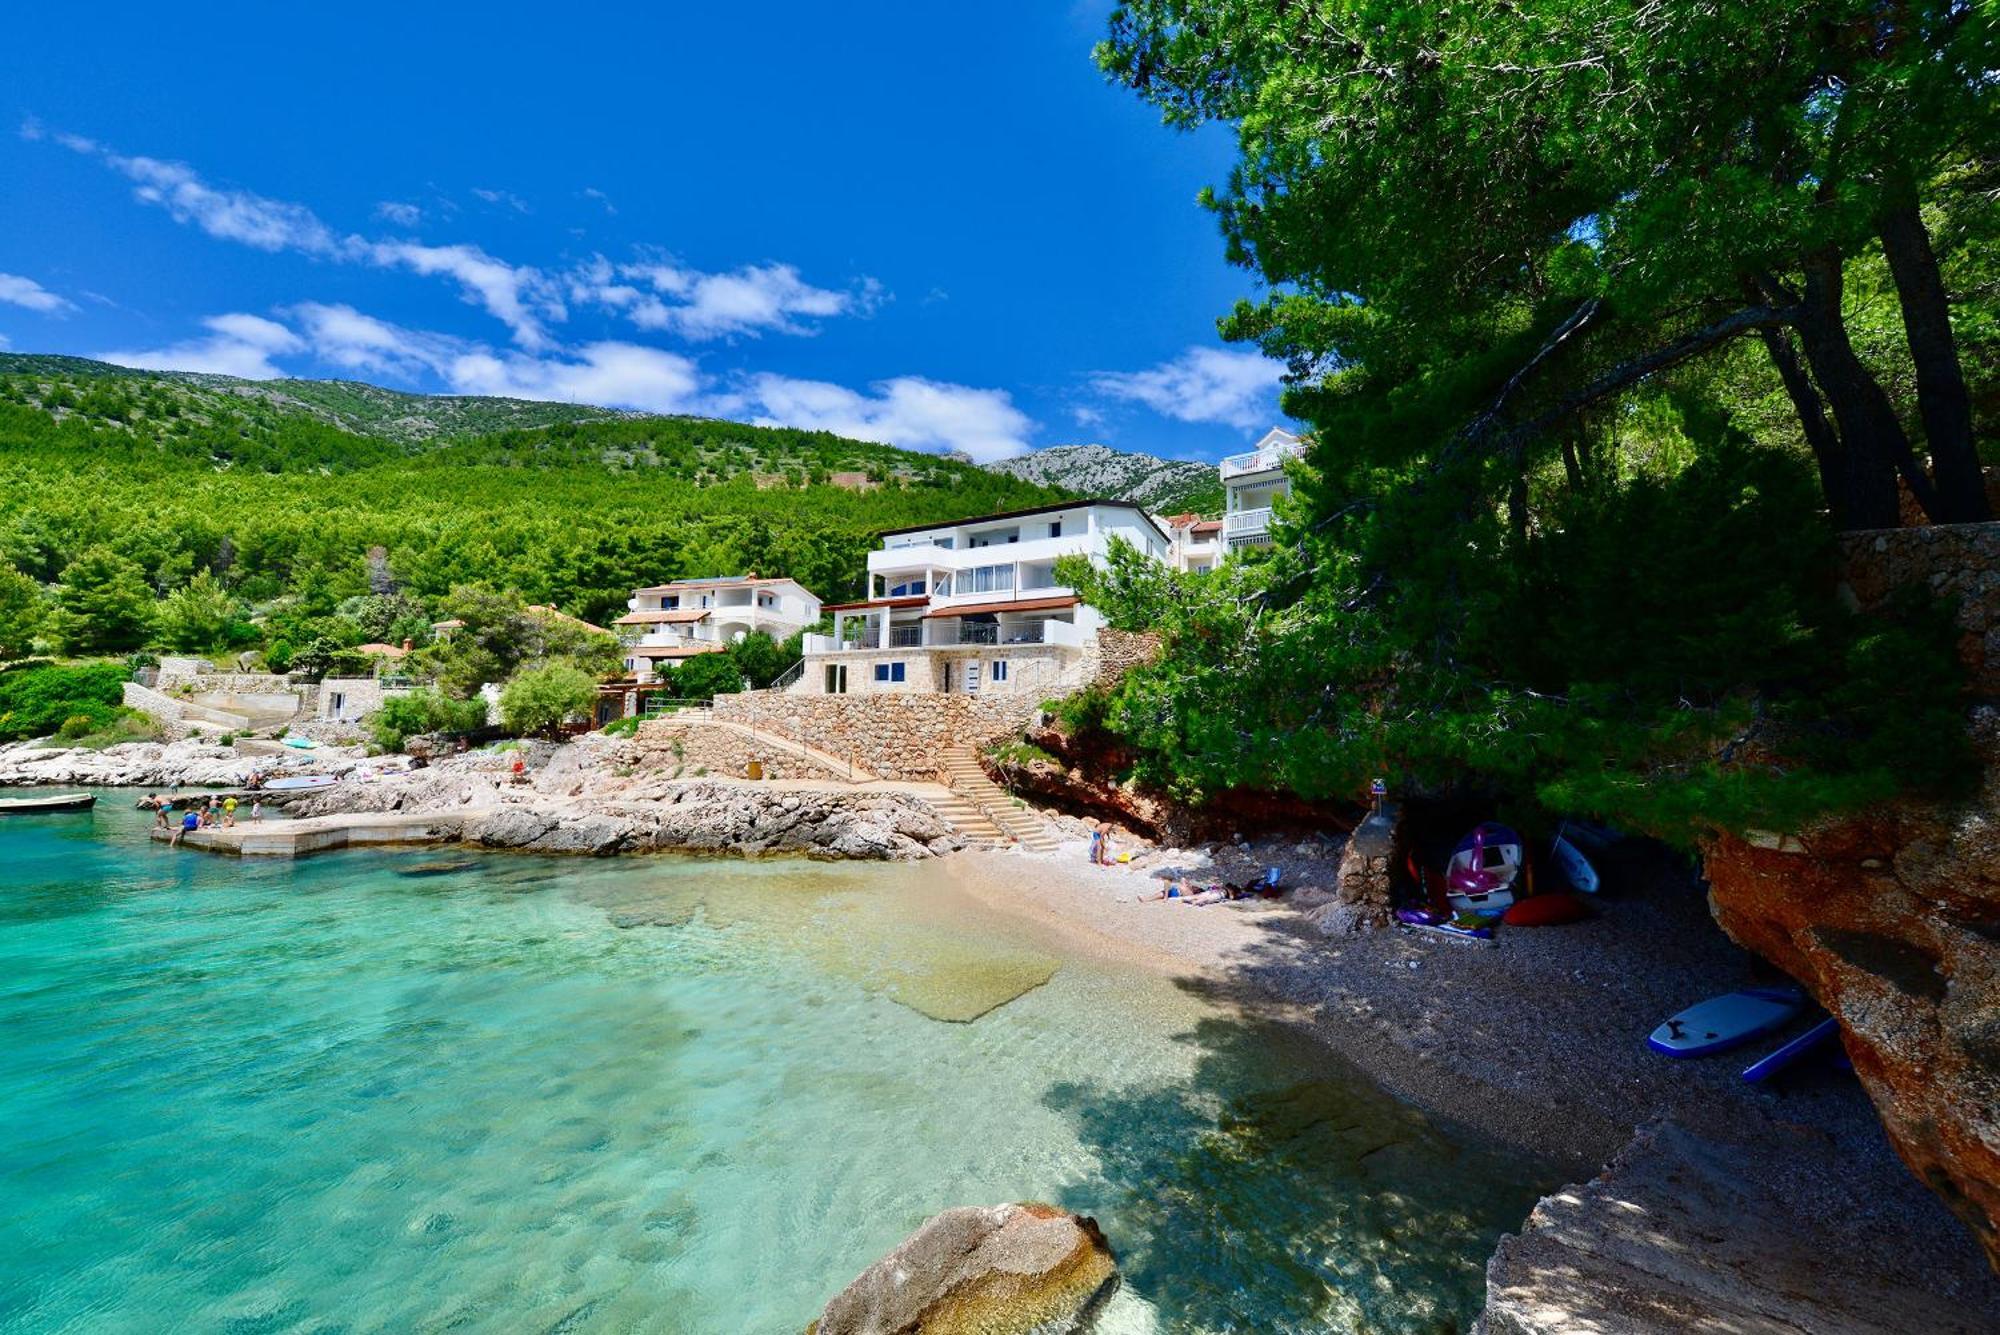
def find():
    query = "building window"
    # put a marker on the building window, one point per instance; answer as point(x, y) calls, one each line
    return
point(910, 588)
point(1055, 529)
point(888, 672)
point(986, 579)
point(999, 669)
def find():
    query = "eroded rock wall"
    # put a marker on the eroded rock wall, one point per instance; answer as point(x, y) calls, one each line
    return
point(1892, 919)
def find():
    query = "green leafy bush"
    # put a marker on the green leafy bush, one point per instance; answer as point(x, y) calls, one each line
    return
point(541, 699)
point(39, 698)
point(423, 710)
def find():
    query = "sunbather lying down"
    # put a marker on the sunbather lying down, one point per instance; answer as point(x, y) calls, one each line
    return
point(1191, 894)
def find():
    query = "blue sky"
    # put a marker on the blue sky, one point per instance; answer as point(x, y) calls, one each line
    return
point(895, 221)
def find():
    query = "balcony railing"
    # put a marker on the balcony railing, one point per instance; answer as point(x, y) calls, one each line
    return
point(1242, 524)
point(1258, 461)
point(903, 637)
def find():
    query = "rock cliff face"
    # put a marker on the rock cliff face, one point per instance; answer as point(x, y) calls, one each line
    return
point(996, 1270)
point(1892, 919)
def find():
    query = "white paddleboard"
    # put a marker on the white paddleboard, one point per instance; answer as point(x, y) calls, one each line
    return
point(299, 781)
point(1576, 868)
point(1724, 1022)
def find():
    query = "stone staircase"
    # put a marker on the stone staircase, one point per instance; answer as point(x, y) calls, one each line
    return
point(1012, 820)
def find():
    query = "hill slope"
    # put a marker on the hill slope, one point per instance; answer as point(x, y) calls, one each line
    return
point(1166, 486)
point(339, 425)
point(282, 488)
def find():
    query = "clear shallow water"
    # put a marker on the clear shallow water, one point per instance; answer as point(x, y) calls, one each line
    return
point(436, 1091)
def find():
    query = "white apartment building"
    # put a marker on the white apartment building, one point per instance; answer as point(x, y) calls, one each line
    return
point(675, 621)
point(1250, 482)
point(1197, 542)
point(973, 606)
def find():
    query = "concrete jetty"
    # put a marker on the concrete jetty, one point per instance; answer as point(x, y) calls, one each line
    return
point(319, 834)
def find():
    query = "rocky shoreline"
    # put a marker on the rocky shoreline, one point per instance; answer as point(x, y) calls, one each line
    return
point(597, 796)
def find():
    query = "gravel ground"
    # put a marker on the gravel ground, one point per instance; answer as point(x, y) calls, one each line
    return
point(1537, 1040)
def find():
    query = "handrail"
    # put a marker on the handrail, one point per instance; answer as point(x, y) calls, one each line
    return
point(791, 674)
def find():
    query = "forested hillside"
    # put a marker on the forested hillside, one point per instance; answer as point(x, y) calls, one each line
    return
point(121, 490)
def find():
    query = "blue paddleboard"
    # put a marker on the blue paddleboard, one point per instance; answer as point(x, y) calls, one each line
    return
point(1725, 1022)
point(1801, 1046)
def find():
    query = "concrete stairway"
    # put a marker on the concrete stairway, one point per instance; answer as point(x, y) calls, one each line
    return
point(1017, 822)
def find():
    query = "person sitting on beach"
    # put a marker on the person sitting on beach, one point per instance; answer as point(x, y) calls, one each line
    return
point(191, 821)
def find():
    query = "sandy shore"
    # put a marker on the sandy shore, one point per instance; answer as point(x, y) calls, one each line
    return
point(1538, 1042)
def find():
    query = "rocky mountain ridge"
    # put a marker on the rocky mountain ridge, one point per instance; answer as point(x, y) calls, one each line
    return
point(1165, 486)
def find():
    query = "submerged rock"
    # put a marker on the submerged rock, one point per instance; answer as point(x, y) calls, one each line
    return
point(1026, 1269)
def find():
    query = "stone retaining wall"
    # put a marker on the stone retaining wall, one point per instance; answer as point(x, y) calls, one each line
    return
point(171, 709)
point(1959, 561)
point(701, 749)
point(1119, 651)
point(896, 736)
point(173, 673)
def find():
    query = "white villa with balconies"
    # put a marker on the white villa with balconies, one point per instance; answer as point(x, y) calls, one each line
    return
point(671, 622)
point(973, 606)
point(1250, 483)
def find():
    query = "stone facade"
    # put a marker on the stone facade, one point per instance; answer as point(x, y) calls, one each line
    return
point(351, 699)
point(1036, 669)
point(1119, 651)
point(1960, 561)
point(701, 749)
point(895, 736)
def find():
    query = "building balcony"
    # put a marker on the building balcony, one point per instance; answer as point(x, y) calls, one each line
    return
point(1244, 528)
point(950, 633)
point(1268, 460)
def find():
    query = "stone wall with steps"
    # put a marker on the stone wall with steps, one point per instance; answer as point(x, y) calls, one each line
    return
point(893, 736)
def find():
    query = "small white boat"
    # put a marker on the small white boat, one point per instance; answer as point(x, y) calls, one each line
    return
point(296, 782)
point(1575, 867)
point(27, 806)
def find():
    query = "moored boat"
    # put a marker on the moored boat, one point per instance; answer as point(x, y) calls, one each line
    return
point(26, 806)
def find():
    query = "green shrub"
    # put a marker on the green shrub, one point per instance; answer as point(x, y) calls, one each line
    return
point(39, 698)
point(624, 727)
point(75, 726)
point(541, 699)
point(423, 710)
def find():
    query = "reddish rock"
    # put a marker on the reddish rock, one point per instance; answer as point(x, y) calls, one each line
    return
point(1892, 919)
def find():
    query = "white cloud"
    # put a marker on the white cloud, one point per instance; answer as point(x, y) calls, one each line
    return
point(26, 292)
point(519, 296)
point(344, 337)
point(908, 411)
point(504, 198)
point(237, 344)
point(232, 215)
point(399, 212)
point(1238, 389)
point(592, 192)
point(5, 342)
point(616, 375)
point(657, 294)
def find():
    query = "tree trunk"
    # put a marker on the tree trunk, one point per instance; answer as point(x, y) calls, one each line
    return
point(1941, 396)
point(1825, 441)
point(1870, 435)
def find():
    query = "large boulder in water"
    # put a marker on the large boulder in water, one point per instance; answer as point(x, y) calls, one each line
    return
point(1026, 1269)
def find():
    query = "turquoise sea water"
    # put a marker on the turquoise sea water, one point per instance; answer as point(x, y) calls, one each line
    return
point(425, 1091)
